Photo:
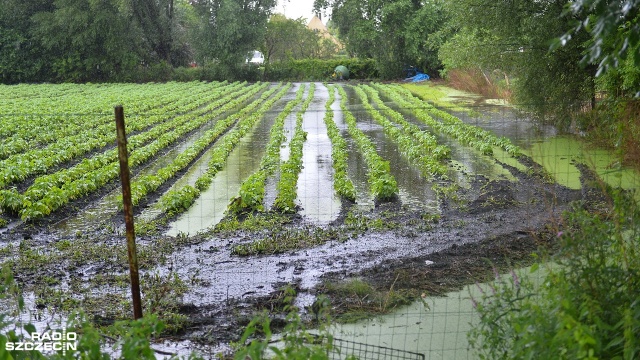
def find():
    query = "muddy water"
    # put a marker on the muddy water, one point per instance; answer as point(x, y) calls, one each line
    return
point(559, 156)
point(436, 326)
point(243, 161)
point(92, 216)
point(315, 184)
point(414, 191)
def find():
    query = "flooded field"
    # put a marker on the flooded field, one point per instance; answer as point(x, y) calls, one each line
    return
point(243, 189)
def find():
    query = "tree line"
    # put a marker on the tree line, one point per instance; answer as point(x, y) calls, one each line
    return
point(556, 56)
point(111, 40)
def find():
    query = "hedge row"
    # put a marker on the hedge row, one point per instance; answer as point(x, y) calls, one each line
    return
point(318, 70)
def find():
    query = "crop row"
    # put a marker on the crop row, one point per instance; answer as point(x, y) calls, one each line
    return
point(251, 194)
point(38, 161)
point(177, 201)
point(418, 146)
point(32, 131)
point(290, 169)
point(22, 131)
point(339, 154)
point(467, 134)
point(89, 175)
point(145, 184)
point(142, 185)
point(94, 98)
point(382, 184)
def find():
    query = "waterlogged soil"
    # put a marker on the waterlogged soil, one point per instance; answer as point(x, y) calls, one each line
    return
point(492, 224)
point(207, 292)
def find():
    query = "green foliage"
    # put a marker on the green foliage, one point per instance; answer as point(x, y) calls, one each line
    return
point(586, 307)
point(289, 171)
point(297, 342)
point(393, 33)
point(251, 194)
point(613, 26)
point(513, 37)
point(467, 134)
point(419, 146)
point(382, 184)
point(228, 30)
point(316, 69)
point(341, 182)
point(87, 40)
point(288, 39)
point(225, 145)
point(178, 201)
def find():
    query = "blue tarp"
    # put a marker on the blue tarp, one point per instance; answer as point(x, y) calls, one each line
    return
point(419, 77)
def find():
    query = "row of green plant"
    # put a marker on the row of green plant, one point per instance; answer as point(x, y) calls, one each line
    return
point(177, 201)
point(80, 99)
point(418, 146)
point(19, 167)
point(339, 154)
point(145, 184)
point(290, 170)
point(83, 169)
point(382, 184)
point(33, 124)
point(251, 194)
point(91, 174)
point(467, 134)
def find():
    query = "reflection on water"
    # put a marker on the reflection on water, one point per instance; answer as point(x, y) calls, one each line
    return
point(315, 189)
point(91, 217)
point(243, 161)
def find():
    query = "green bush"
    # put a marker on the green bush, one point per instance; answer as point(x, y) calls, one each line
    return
point(588, 307)
point(318, 70)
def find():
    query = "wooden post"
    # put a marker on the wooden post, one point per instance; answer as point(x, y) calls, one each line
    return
point(128, 212)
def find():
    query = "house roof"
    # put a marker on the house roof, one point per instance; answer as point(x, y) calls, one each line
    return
point(316, 24)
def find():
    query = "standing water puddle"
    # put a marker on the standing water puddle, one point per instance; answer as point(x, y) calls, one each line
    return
point(91, 217)
point(243, 161)
point(315, 184)
point(434, 326)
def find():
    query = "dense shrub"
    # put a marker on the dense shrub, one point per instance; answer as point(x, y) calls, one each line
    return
point(318, 70)
point(588, 307)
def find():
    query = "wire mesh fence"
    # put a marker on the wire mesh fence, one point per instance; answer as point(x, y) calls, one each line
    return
point(420, 243)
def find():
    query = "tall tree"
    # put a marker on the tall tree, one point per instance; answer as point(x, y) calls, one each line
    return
point(230, 29)
point(287, 39)
point(395, 33)
point(155, 19)
point(87, 40)
point(514, 36)
point(22, 57)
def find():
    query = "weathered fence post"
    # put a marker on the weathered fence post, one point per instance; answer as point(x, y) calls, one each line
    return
point(128, 212)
